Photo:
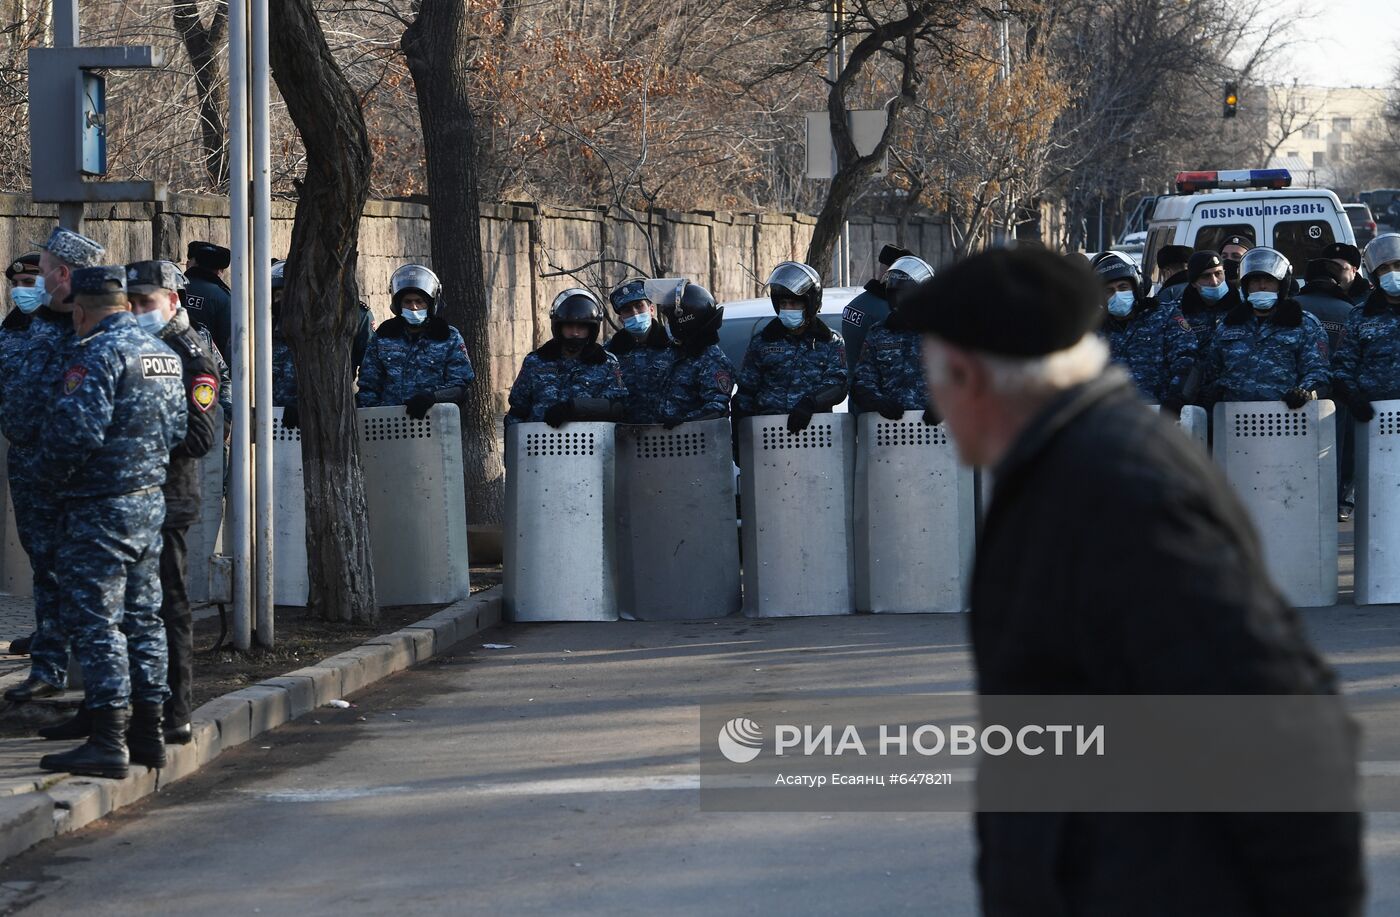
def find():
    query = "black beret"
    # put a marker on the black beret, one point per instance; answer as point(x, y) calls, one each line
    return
point(208, 255)
point(1343, 252)
point(1172, 254)
point(892, 253)
point(24, 264)
point(1202, 261)
point(1243, 241)
point(1022, 302)
point(1324, 269)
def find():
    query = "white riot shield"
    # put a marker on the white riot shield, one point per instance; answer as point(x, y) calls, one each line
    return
point(1281, 466)
point(559, 527)
point(416, 500)
point(798, 534)
point(1378, 507)
point(16, 576)
point(1192, 421)
point(677, 545)
point(914, 517)
point(203, 539)
point(291, 585)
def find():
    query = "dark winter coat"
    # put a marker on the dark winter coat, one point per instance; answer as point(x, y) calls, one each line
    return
point(1329, 304)
point(868, 309)
point(1116, 560)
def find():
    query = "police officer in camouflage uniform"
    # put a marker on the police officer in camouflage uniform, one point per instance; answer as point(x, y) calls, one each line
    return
point(1208, 296)
point(1367, 365)
point(643, 350)
point(1267, 348)
point(31, 337)
point(24, 274)
point(889, 376)
point(1172, 261)
point(700, 379)
point(206, 340)
point(1151, 340)
point(284, 370)
point(416, 358)
point(119, 412)
point(795, 364)
point(571, 377)
point(871, 306)
point(151, 289)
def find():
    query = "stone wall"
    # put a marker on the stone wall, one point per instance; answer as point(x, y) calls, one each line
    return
point(527, 249)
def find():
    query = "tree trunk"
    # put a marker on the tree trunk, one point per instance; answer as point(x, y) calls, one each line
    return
point(320, 309)
point(438, 48)
point(202, 45)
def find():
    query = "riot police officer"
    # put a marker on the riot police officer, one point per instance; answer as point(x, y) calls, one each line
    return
point(415, 358)
point(889, 376)
point(151, 288)
point(1267, 348)
point(119, 412)
point(31, 337)
point(795, 364)
point(1172, 264)
point(1151, 340)
point(284, 370)
point(870, 306)
point(1367, 365)
point(700, 379)
point(1208, 296)
point(643, 351)
point(207, 296)
point(571, 377)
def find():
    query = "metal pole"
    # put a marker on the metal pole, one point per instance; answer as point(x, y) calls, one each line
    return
point(262, 328)
point(833, 71)
point(66, 35)
point(240, 472)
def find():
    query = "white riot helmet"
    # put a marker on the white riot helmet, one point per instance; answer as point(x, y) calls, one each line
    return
point(907, 274)
point(1267, 262)
point(1383, 249)
point(415, 277)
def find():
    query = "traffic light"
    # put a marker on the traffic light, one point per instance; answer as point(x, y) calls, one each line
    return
point(1232, 99)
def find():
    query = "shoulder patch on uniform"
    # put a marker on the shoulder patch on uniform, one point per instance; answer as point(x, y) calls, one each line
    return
point(1181, 320)
point(204, 391)
point(73, 378)
point(160, 365)
point(724, 380)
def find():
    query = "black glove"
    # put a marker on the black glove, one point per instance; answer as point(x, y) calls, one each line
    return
point(931, 417)
point(801, 415)
point(890, 409)
point(1361, 409)
point(290, 418)
point(556, 415)
point(1295, 398)
point(671, 421)
point(1173, 403)
point(420, 404)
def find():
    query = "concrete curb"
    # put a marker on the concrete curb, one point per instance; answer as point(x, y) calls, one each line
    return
point(51, 807)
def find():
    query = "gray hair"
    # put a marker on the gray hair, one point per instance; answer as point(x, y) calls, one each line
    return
point(1032, 376)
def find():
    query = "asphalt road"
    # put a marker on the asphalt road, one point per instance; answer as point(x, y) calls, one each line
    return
point(559, 777)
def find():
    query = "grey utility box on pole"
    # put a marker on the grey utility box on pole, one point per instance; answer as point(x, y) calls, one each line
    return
point(67, 119)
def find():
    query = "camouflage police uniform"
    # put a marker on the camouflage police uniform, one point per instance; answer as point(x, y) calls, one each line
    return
point(645, 364)
point(119, 412)
point(1204, 317)
point(284, 372)
point(1155, 344)
point(29, 348)
point(697, 385)
point(206, 340)
point(1367, 364)
point(182, 491)
point(780, 369)
point(401, 362)
point(1254, 358)
point(890, 368)
point(547, 377)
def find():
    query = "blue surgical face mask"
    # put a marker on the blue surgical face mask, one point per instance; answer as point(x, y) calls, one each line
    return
point(1390, 282)
point(1121, 303)
point(151, 322)
point(1216, 293)
point(1263, 300)
point(637, 324)
point(414, 316)
point(29, 299)
point(792, 319)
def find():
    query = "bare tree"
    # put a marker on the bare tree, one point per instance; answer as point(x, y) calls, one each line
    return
point(320, 311)
point(202, 44)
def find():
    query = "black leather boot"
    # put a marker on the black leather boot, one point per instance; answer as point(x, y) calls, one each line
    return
point(31, 688)
point(78, 727)
point(144, 738)
point(103, 754)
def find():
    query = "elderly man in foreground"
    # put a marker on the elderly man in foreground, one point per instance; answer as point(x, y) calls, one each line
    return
point(1114, 561)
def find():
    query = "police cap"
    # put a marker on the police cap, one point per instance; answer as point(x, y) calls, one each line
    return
point(24, 264)
point(1021, 302)
point(150, 276)
point(209, 256)
point(1241, 241)
point(1344, 252)
point(1202, 261)
point(73, 248)
point(104, 285)
point(1172, 254)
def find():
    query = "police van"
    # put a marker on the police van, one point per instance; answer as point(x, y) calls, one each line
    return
point(1256, 203)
